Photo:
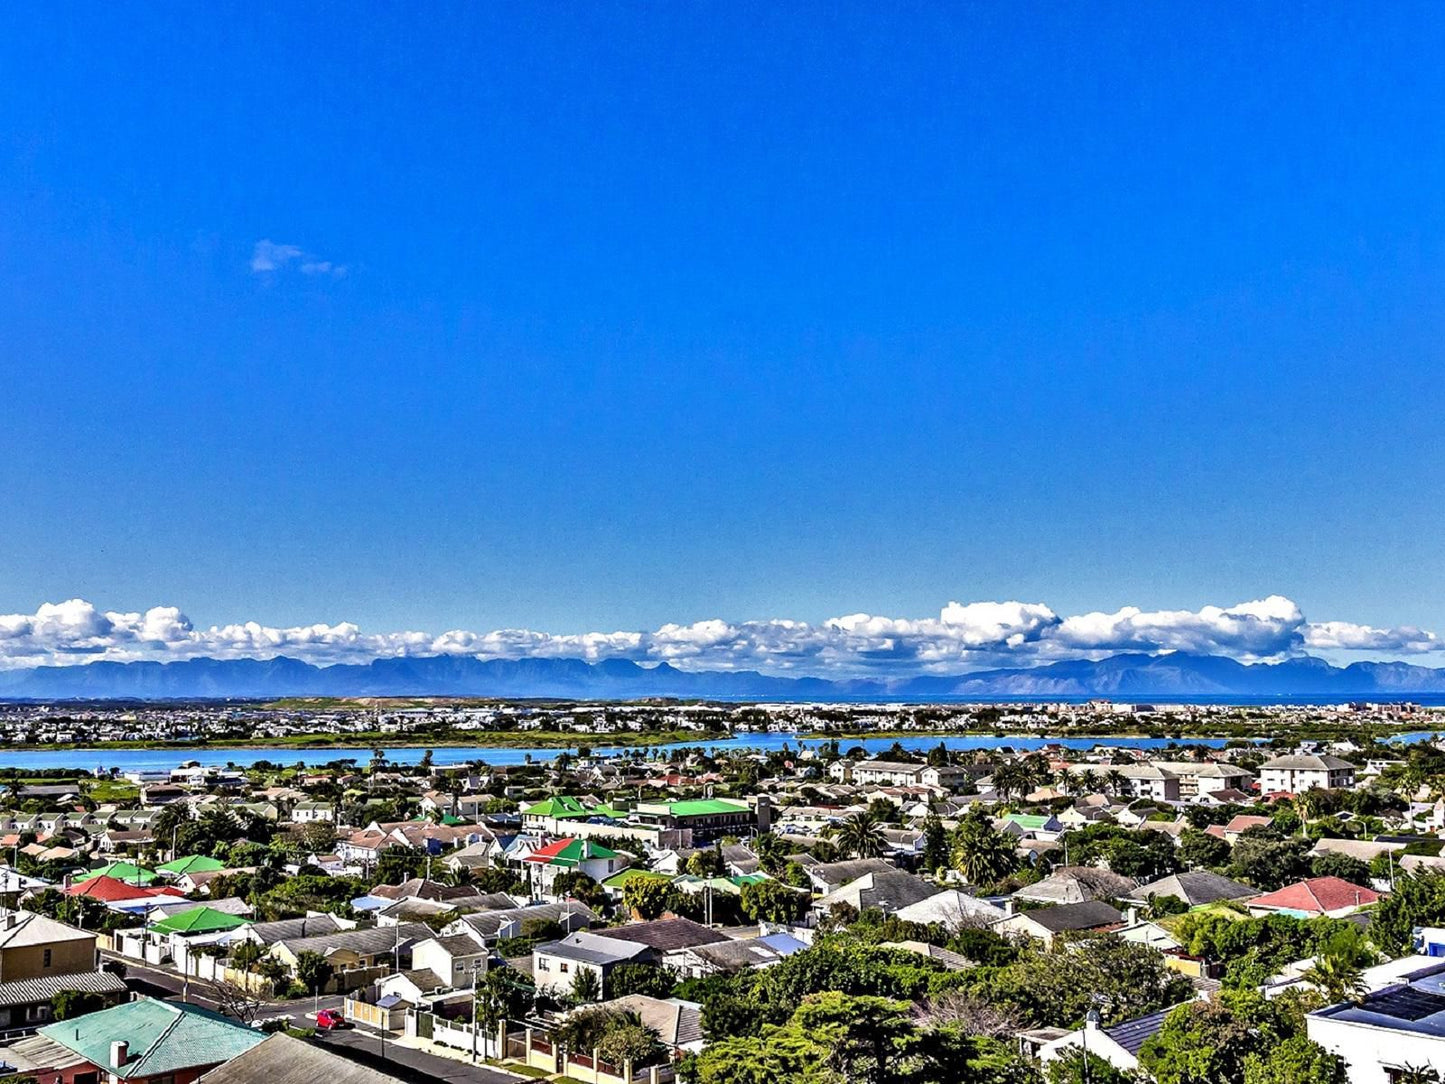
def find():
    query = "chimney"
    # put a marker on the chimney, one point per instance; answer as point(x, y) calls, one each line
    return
point(119, 1053)
point(1131, 916)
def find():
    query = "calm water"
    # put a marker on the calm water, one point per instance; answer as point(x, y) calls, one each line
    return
point(134, 759)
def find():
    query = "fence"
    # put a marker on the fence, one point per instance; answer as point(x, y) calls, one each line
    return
point(533, 1048)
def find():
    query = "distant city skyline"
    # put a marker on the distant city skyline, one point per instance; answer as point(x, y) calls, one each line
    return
point(616, 317)
point(962, 637)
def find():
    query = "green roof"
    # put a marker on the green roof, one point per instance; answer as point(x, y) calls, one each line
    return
point(705, 807)
point(1028, 820)
point(563, 807)
point(191, 863)
point(200, 920)
point(619, 880)
point(570, 852)
point(164, 1037)
point(121, 871)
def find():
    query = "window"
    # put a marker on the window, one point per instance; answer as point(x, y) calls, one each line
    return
point(47, 959)
point(563, 969)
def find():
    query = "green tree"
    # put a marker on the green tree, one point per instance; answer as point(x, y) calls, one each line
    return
point(654, 980)
point(773, 901)
point(935, 843)
point(707, 862)
point(860, 835)
point(1077, 1068)
point(313, 971)
point(586, 986)
point(504, 994)
point(246, 955)
point(649, 898)
point(982, 853)
point(1199, 850)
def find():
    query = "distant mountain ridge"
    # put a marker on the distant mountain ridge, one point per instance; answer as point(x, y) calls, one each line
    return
point(1177, 676)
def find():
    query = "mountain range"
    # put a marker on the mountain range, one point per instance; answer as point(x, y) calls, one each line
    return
point(1174, 676)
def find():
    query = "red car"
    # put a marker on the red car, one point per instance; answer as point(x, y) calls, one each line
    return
point(330, 1020)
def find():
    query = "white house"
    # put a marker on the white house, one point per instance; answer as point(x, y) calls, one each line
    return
point(1298, 773)
point(1392, 1030)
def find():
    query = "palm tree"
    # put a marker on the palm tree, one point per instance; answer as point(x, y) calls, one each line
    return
point(1011, 778)
point(1115, 781)
point(861, 835)
point(1090, 780)
point(1416, 1074)
point(1338, 977)
point(982, 853)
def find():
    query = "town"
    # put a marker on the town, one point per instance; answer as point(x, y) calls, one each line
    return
point(1268, 911)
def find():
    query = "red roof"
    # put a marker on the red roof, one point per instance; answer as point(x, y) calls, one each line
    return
point(1317, 895)
point(1243, 821)
point(552, 850)
point(108, 888)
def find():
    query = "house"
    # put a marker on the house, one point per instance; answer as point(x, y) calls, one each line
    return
point(1296, 774)
point(313, 813)
point(1389, 1031)
point(952, 909)
point(458, 959)
point(667, 938)
point(492, 926)
point(547, 863)
point(145, 1041)
point(280, 1059)
point(826, 876)
point(1332, 897)
point(883, 890)
point(1204, 778)
point(191, 863)
point(33, 946)
point(1239, 824)
point(1118, 1044)
point(677, 1023)
point(361, 949)
point(1193, 887)
point(1076, 884)
point(556, 964)
point(1048, 924)
point(730, 955)
point(268, 933)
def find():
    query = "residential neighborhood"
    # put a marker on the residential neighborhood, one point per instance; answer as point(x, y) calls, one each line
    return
point(1052, 914)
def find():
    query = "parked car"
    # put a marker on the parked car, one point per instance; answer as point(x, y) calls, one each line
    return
point(330, 1020)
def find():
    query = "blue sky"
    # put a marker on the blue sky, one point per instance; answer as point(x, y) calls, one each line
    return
point(607, 317)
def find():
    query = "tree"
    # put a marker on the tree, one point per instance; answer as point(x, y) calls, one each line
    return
point(246, 955)
point(648, 897)
point(772, 851)
point(313, 971)
point(982, 853)
point(773, 901)
point(504, 994)
point(315, 837)
point(1198, 849)
point(1338, 977)
point(935, 843)
point(654, 980)
point(1269, 864)
point(861, 835)
point(1071, 1068)
point(707, 862)
point(630, 1042)
point(67, 1004)
point(586, 986)
point(1120, 979)
point(239, 1002)
point(1343, 866)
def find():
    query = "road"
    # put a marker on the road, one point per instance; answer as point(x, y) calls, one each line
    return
point(162, 983)
point(416, 1066)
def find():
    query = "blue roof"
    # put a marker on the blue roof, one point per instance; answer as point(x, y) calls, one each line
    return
point(782, 943)
point(389, 1001)
point(369, 903)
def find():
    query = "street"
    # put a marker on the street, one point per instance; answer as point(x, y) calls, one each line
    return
point(162, 983)
point(412, 1065)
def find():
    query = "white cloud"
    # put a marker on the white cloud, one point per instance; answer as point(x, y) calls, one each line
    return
point(268, 256)
point(962, 638)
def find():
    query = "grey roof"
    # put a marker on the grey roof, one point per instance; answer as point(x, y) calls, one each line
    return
point(368, 942)
point(834, 874)
point(487, 923)
point(1195, 887)
point(588, 948)
point(286, 929)
point(1075, 916)
point(730, 955)
point(1076, 884)
point(1309, 763)
point(284, 1060)
point(665, 934)
point(676, 1022)
point(30, 991)
point(1132, 1034)
point(887, 890)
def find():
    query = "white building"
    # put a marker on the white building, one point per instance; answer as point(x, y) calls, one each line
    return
point(1395, 1029)
point(1298, 773)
